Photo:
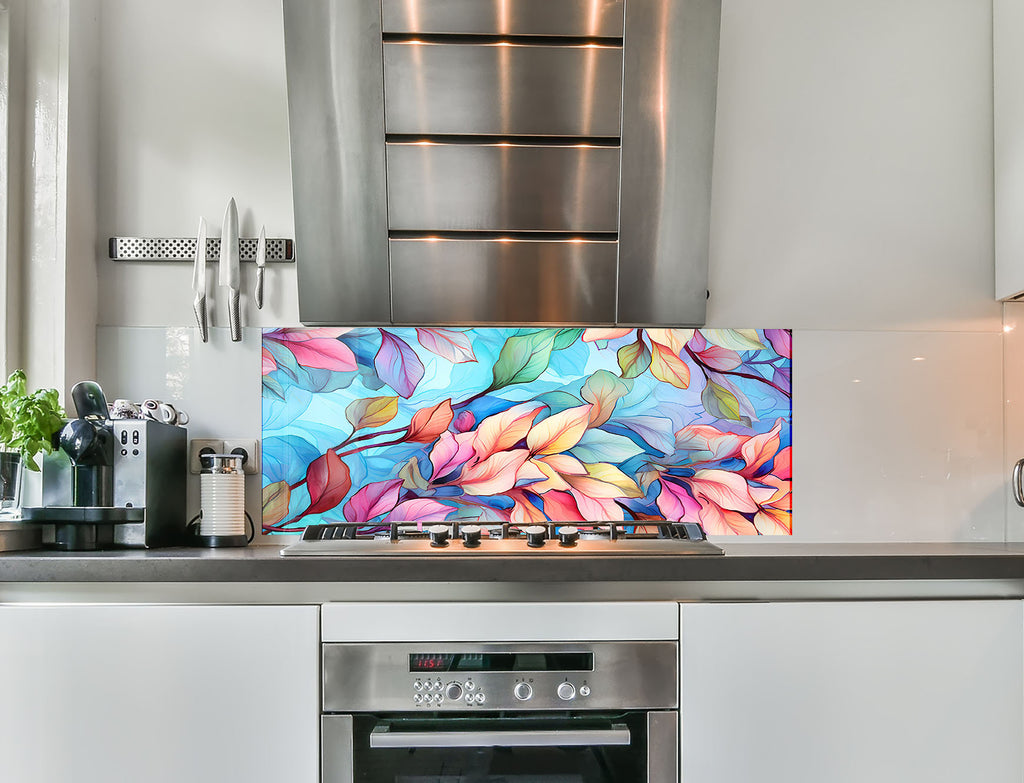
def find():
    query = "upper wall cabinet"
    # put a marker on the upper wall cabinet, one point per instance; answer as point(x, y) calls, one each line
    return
point(502, 161)
point(1008, 106)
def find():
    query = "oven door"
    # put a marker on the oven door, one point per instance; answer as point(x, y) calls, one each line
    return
point(630, 747)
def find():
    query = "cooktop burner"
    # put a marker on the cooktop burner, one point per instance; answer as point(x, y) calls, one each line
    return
point(552, 538)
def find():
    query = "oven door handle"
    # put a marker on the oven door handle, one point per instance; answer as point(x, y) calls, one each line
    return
point(382, 737)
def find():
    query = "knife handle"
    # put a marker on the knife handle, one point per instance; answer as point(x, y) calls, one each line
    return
point(199, 306)
point(234, 317)
point(258, 294)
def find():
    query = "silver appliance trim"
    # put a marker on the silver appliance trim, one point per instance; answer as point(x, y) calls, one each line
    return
point(501, 187)
point(336, 747)
point(463, 89)
point(506, 281)
point(668, 137)
point(383, 737)
point(335, 77)
point(367, 677)
point(504, 548)
point(500, 17)
point(662, 732)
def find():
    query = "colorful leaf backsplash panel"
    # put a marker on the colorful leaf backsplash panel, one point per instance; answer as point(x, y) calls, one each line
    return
point(499, 425)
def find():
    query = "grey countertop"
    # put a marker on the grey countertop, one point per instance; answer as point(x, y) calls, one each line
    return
point(753, 561)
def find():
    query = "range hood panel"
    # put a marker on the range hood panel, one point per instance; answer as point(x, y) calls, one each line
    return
point(581, 131)
point(502, 188)
point(502, 90)
point(507, 282)
point(594, 18)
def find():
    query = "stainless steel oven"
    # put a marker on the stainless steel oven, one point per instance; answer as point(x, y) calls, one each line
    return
point(520, 712)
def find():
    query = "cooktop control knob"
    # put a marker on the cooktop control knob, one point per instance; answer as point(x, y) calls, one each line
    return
point(568, 535)
point(453, 691)
point(535, 535)
point(470, 535)
point(522, 691)
point(566, 691)
point(438, 535)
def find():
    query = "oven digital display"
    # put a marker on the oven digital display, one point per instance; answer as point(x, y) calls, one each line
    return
point(502, 662)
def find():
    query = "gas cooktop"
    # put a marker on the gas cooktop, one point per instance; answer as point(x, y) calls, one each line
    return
point(551, 539)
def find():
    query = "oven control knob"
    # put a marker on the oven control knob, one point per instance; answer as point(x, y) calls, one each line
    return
point(566, 691)
point(568, 535)
point(535, 535)
point(523, 691)
point(453, 691)
point(470, 535)
point(438, 535)
point(584, 690)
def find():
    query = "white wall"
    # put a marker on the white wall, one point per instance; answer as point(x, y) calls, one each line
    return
point(852, 202)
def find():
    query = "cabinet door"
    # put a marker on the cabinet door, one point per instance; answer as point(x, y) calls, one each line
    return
point(1008, 171)
point(159, 694)
point(852, 692)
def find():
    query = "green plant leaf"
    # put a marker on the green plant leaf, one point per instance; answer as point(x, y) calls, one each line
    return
point(722, 403)
point(523, 358)
point(634, 359)
point(28, 422)
point(566, 337)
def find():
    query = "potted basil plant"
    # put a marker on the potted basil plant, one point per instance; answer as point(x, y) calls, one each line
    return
point(28, 422)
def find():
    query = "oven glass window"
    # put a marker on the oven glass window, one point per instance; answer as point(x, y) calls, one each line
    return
point(616, 754)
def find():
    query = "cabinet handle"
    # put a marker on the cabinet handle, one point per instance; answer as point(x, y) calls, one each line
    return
point(1018, 488)
point(383, 737)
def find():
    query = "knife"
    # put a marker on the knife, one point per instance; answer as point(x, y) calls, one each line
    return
point(199, 282)
point(261, 262)
point(229, 275)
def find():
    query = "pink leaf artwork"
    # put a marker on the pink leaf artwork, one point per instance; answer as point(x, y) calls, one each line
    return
point(494, 475)
point(372, 501)
point(327, 479)
point(323, 353)
point(428, 423)
point(448, 344)
point(398, 365)
point(419, 510)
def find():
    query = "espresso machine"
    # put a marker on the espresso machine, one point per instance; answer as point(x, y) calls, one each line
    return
point(112, 483)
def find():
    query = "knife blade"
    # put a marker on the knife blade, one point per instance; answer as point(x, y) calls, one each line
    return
point(261, 262)
point(199, 282)
point(229, 274)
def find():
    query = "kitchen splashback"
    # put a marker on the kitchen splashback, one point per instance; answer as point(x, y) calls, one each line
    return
point(370, 425)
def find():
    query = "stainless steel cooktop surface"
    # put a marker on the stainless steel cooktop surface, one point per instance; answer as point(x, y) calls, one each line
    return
point(553, 539)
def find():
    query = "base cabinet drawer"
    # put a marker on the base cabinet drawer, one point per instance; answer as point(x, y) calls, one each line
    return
point(160, 694)
point(849, 692)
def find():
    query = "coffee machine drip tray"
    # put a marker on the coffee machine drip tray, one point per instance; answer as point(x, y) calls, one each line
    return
point(78, 528)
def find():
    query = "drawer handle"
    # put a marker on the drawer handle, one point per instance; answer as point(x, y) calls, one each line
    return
point(383, 737)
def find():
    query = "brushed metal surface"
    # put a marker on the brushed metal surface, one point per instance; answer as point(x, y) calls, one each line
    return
point(670, 80)
point(336, 122)
point(488, 547)
point(336, 748)
point(504, 17)
point(520, 281)
point(502, 187)
point(662, 747)
point(376, 678)
point(502, 89)
point(383, 737)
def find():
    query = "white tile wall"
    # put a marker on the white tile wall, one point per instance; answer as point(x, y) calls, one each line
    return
point(1013, 397)
point(897, 436)
point(217, 383)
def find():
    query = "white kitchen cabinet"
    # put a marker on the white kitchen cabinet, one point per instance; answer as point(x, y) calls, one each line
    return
point(1008, 134)
point(159, 694)
point(852, 692)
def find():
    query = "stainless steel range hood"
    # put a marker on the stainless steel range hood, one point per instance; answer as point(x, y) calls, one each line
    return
point(502, 161)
